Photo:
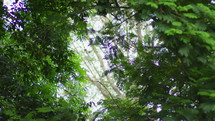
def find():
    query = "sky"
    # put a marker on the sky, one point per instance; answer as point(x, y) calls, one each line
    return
point(8, 2)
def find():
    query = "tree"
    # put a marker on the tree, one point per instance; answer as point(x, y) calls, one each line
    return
point(161, 53)
point(36, 62)
point(174, 67)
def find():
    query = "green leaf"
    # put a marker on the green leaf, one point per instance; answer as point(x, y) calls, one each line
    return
point(204, 79)
point(173, 31)
point(152, 4)
point(9, 112)
point(169, 4)
point(212, 95)
point(30, 115)
point(176, 23)
point(141, 112)
point(185, 39)
point(185, 8)
point(44, 109)
point(202, 34)
point(203, 93)
point(190, 15)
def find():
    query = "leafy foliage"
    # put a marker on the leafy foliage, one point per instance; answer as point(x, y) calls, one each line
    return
point(176, 75)
point(170, 77)
point(36, 65)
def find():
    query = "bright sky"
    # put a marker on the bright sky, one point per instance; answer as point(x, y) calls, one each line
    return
point(8, 2)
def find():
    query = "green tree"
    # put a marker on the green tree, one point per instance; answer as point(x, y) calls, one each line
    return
point(161, 53)
point(36, 62)
point(174, 67)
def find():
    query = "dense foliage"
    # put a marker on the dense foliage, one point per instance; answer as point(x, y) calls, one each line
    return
point(166, 72)
point(40, 77)
point(172, 76)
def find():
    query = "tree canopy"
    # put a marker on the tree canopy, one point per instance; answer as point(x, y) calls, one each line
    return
point(160, 52)
point(36, 62)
